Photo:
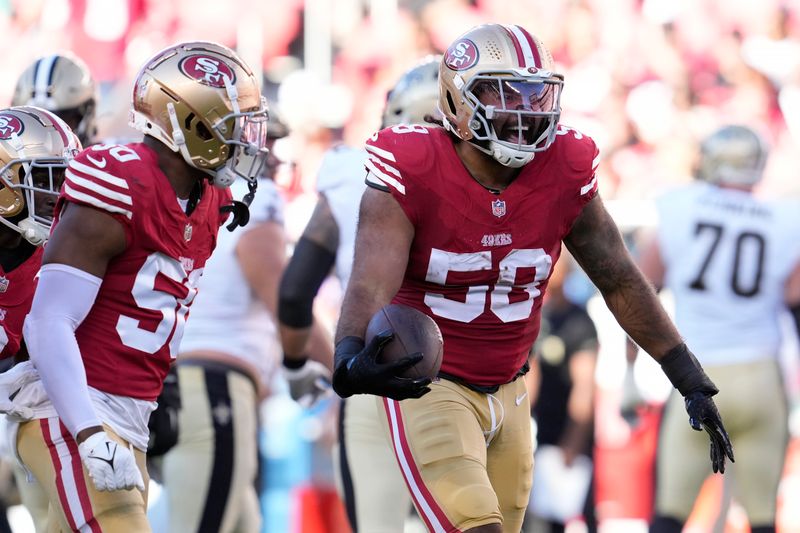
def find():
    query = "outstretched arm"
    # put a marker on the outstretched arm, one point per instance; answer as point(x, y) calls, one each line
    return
point(597, 246)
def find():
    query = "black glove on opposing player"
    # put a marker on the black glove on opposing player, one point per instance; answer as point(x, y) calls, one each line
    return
point(357, 370)
point(163, 423)
point(686, 374)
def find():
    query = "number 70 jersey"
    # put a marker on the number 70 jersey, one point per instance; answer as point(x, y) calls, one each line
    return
point(727, 257)
point(134, 328)
point(480, 261)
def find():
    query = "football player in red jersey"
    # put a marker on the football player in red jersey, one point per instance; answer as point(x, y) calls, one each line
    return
point(373, 504)
point(35, 147)
point(134, 226)
point(464, 223)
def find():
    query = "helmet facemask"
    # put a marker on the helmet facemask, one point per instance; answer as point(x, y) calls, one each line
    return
point(513, 116)
point(248, 141)
point(37, 181)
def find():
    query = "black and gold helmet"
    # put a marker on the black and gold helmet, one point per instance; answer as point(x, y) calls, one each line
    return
point(61, 83)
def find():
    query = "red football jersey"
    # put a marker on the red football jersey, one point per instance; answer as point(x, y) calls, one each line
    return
point(135, 326)
point(16, 295)
point(479, 262)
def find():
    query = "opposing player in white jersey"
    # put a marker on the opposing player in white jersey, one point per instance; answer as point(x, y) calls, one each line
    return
point(373, 489)
point(732, 263)
point(134, 226)
point(227, 358)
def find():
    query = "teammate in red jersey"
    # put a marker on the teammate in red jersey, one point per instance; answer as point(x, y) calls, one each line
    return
point(468, 233)
point(35, 147)
point(134, 227)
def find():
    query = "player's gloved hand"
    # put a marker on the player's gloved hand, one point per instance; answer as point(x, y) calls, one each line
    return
point(703, 414)
point(11, 381)
point(309, 382)
point(686, 375)
point(110, 464)
point(359, 372)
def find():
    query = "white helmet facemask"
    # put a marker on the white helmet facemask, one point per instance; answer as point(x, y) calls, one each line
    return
point(513, 115)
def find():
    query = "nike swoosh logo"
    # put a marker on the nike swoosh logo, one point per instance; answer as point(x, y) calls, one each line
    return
point(109, 461)
point(100, 163)
point(518, 399)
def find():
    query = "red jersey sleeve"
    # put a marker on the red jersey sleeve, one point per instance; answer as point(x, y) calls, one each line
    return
point(395, 157)
point(99, 179)
point(580, 157)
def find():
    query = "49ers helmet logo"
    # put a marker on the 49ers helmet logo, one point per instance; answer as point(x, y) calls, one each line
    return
point(9, 125)
point(208, 70)
point(461, 55)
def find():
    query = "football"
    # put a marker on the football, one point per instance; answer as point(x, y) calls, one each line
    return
point(414, 331)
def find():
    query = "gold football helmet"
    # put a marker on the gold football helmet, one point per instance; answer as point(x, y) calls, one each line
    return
point(35, 148)
point(415, 94)
point(202, 100)
point(61, 83)
point(498, 90)
point(733, 154)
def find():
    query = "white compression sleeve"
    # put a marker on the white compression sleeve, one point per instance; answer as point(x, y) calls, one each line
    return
point(63, 298)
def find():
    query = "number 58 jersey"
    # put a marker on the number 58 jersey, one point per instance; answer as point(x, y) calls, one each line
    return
point(480, 261)
point(133, 330)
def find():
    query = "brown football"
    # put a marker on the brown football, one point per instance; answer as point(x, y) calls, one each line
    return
point(414, 331)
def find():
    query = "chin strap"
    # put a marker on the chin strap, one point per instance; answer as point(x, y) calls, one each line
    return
point(241, 208)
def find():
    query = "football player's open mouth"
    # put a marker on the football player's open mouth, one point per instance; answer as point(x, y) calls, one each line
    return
point(516, 134)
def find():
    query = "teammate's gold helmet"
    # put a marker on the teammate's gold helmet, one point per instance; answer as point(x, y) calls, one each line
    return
point(201, 99)
point(498, 90)
point(35, 148)
point(61, 83)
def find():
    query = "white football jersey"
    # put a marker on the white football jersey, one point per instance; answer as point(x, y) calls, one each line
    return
point(341, 180)
point(727, 257)
point(227, 316)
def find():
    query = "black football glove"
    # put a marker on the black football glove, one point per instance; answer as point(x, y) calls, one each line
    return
point(359, 372)
point(686, 375)
point(703, 414)
point(163, 423)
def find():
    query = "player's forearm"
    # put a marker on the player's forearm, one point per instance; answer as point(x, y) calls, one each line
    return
point(294, 341)
point(359, 304)
point(596, 244)
point(640, 313)
point(63, 298)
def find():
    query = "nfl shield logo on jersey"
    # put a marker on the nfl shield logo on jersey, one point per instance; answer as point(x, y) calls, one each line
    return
point(187, 233)
point(498, 208)
point(3, 284)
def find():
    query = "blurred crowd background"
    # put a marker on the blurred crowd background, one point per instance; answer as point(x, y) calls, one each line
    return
point(645, 78)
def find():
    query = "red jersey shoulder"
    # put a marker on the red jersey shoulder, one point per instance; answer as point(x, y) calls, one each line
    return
point(109, 177)
point(577, 150)
point(395, 155)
